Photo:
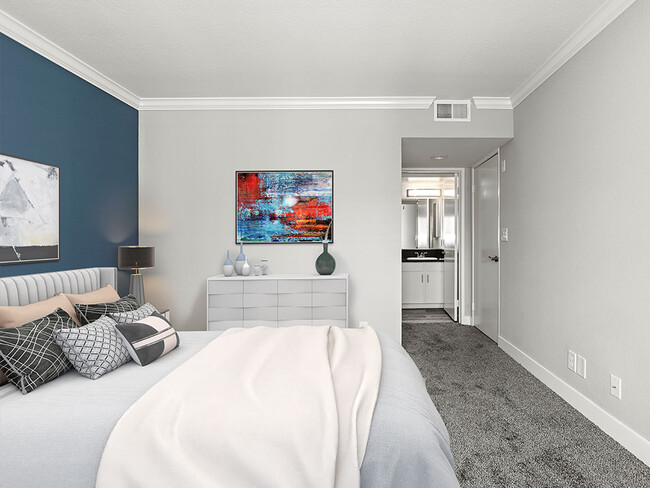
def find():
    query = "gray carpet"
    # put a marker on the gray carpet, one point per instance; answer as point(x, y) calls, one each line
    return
point(507, 429)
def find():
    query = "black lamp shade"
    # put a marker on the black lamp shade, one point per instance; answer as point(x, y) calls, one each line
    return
point(135, 257)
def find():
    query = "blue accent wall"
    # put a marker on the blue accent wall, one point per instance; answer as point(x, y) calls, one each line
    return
point(48, 114)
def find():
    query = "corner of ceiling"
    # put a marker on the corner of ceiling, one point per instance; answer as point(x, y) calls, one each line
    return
point(31, 39)
point(595, 24)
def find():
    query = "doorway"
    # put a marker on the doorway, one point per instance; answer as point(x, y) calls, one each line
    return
point(431, 239)
point(486, 247)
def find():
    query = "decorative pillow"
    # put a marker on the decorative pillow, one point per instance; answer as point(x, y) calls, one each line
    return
point(29, 356)
point(89, 312)
point(148, 338)
point(103, 295)
point(18, 315)
point(94, 349)
point(134, 315)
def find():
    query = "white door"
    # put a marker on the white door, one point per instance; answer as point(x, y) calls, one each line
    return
point(486, 206)
point(450, 245)
point(412, 287)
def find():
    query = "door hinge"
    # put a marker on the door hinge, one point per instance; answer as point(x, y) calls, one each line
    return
point(473, 306)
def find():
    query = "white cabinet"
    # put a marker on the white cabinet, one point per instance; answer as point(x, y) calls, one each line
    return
point(422, 285)
point(413, 286)
point(277, 301)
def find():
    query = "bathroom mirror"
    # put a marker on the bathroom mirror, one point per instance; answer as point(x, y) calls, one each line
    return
point(420, 224)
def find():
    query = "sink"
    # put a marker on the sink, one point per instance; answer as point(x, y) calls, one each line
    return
point(428, 258)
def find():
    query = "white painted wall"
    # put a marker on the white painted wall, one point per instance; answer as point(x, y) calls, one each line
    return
point(188, 161)
point(575, 271)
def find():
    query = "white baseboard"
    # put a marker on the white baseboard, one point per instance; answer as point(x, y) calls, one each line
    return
point(617, 430)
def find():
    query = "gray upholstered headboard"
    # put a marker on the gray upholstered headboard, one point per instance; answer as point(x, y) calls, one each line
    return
point(26, 289)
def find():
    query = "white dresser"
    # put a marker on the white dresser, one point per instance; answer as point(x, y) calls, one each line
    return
point(277, 300)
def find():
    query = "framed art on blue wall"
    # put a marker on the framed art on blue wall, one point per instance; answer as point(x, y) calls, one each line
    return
point(29, 210)
point(284, 206)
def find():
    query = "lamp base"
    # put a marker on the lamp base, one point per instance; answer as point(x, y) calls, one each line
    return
point(136, 287)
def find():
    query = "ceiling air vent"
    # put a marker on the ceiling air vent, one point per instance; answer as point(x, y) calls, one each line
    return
point(454, 110)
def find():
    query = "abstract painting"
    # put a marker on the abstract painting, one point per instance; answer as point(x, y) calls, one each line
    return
point(29, 211)
point(284, 206)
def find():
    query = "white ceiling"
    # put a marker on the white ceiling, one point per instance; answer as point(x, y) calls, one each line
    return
point(217, 48)
point(461, 152)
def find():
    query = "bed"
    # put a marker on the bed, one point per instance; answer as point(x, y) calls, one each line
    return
point(55, 435)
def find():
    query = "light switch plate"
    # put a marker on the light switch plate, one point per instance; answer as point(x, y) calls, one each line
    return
point(581, 366)
point(571, 361)
point(503, 165)
point(504, 234)
point(615, 386)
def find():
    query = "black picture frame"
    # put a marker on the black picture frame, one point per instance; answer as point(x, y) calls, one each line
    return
point(313, 241)
point(14, 186)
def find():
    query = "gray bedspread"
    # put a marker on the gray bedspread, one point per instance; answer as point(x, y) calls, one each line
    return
point(54, 436)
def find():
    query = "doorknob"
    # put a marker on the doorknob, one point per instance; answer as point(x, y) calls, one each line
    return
point(494, 258)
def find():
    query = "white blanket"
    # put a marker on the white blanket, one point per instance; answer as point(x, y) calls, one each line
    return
point(262, 407)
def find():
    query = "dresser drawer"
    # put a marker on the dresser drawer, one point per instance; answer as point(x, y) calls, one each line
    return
point(293, 323)
point(261, 313)
point(334, 323)
point(225, 314)
point(261, 286)
point(232, 301)
point(329, 286)
point(223, 287)
point(224, 324)
point(334, 313)
point(295, 300)
point(259, 323)
point(329, 299)
point(260, 300)
point(294, 313)
point(294, 286)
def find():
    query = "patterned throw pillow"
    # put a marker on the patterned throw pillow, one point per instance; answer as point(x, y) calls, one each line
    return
point(29, 356)
point(134, 315)
point(89, 312)
point(148, 338)
point(94, 349)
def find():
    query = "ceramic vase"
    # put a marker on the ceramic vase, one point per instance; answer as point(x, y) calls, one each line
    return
point(241, 259)
point(246, 268)
point(325, 263)
point(228, 267)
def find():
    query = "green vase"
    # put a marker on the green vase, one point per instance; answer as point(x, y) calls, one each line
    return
point(325, 263)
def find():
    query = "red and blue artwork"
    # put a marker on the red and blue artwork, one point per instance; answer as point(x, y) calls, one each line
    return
point(284, 206)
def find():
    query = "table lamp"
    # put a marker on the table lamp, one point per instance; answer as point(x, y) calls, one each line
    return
point(136, 258)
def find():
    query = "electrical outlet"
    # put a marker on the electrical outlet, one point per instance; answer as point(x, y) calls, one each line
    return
point(571, 361)
point(615, 386)
point(504, 234)
point(581, 366)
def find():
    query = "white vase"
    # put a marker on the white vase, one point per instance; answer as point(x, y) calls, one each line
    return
point(241, 259)
point(228, 267)
point(246, 268)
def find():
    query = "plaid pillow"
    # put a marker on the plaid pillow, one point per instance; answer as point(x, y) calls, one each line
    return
point(134, 315)
point(29, 357)
point(88, 313)
point(94, 349)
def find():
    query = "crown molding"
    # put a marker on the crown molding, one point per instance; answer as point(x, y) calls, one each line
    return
point(286, 103)
point(600, 19)
point(26, 36)
point(492, 103)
